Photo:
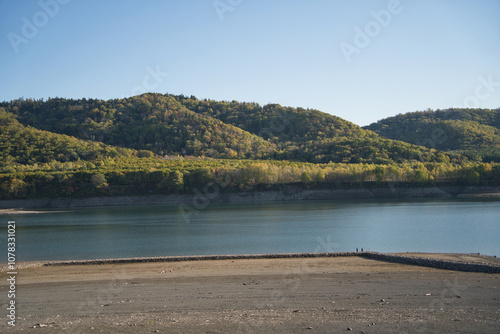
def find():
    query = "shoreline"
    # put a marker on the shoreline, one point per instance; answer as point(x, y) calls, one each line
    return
point(13, 211)
point(288, 194)
point(447, 261)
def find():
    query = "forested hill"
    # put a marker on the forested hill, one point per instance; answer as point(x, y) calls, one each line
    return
point(148, 122)
point(310, 135)
point(178, 125)
point(277, 123)
point(25, 145)
point(156, 144)
point(473, 132)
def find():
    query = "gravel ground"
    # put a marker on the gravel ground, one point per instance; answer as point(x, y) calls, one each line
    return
point(297, 295)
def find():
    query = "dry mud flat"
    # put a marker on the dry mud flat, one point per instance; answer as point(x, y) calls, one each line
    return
point(283, 295)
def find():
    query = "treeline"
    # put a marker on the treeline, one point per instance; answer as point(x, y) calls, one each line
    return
point(472, 132)
point(150, 176)
point(179, 125)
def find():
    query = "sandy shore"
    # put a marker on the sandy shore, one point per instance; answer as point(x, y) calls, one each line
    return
point(296, 295)
point(18, 211)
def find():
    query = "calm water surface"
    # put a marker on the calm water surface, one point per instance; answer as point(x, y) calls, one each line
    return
point(386, 226)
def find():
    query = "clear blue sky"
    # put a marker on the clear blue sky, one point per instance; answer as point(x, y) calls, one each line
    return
point(426, 54)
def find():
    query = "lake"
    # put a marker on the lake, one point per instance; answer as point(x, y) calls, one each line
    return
point(431, 225)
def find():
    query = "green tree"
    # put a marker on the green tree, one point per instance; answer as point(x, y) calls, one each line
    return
point(98, 180)
point(14, 187)
point(319, 176)
point(177, 181)
point(306, 178)
point(145, 154)
point(421, 176)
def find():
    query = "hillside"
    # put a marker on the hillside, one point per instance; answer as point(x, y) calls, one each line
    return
point(176, 125)
point(473, 132)
point(85, 148)
point(310, 135)
point(21, 144)
point(148, 122)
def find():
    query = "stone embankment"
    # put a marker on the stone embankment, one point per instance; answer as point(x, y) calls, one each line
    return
point(200, 258)
point(434, 263)
point(418, 261)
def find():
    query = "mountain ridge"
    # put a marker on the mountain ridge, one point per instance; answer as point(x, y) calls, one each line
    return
point(157, 144)
point(472, 132)
point(178, 125)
